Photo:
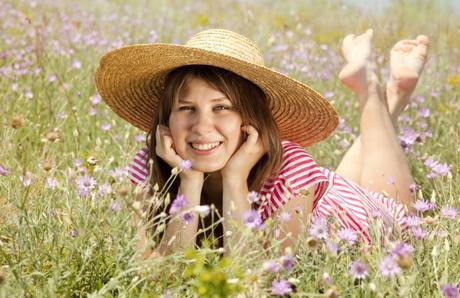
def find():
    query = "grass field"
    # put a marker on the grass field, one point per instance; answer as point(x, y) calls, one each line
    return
point(60, 239)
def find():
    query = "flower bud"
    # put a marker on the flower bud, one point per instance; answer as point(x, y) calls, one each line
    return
point(52, 136)
point(405, 262)
point(312, 242)
point(47, 165)
point(123, 191)
point(17, 122)
point(332, 293)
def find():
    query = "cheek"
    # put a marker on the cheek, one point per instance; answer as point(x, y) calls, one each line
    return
point(177, 127)
point(233, 131)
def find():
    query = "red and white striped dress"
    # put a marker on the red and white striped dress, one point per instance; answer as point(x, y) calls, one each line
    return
point(352, 206)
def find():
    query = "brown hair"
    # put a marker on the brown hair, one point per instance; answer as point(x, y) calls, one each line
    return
point(248, 99)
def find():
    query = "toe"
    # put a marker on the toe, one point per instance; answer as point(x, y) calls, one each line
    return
point(348, 39)
point(369, 32)
point(423, 39)
point(405, 44)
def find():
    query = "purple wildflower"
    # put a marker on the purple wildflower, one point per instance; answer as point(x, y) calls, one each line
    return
point(52, 78)
point(118, 174)
point(332, 247)
point(3, 171)
point(328, 94)
point(185, 165)
point(115, 206)
point(423, 112)
point(403, 249)
point(252, 219)
point(419, 233)
point(318, 228)
point(419, 98)
point(105, 189)
point(106, 126)
point(327, 279)
point(176, 206)
point(284, 216)
point(95, 99)
point(92, 111)
point(441, 169)
point(358, 270)
point(423, 205)
point(27, 179)
point(187, 217)
point(85, 185)
point(253, 197)
point(389, 267)
point(203, 210)
point(449, 212)
point(437, 168)
point(449, 291)
point(288, 262)
point(347, 235)
point(413, 220)
point(271, 266)
point(413, 188)
point(408, 137)
point(281, 287)
point(139, 138)
point(78, 163)
point(50, 183)
point(76, 64)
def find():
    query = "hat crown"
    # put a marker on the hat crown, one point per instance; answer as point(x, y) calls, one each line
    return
point(227, 43)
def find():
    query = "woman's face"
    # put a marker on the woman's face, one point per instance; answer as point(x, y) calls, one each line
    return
point(205, 127)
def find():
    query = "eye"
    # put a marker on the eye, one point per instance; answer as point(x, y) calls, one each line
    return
point(222, 107)
point(185, 108)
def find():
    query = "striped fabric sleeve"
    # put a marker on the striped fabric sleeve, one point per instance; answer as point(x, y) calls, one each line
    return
point(298, 172)
point(137, 171)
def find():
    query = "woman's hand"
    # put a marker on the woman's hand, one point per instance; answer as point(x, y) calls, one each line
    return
point(165, 150)
point(244, 159)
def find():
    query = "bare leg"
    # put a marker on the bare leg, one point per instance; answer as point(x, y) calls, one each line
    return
point(407, 61)
point(376, 155)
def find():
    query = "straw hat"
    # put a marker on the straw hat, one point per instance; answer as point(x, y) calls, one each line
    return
point(131, 79)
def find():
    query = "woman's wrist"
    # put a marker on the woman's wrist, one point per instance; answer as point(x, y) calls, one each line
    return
point(191, 187)
point(236, 179)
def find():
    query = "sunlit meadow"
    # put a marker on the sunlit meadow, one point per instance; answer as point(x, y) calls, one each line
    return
point(66, 225)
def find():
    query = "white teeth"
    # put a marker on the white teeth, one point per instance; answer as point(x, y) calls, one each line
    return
point(205, 146)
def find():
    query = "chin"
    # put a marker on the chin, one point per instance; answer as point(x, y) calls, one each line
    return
point(208, 168)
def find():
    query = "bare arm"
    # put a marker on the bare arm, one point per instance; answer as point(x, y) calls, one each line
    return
point(235, 193)
point(177, 235)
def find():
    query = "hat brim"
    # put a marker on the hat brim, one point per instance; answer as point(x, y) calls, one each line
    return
point(130, 80)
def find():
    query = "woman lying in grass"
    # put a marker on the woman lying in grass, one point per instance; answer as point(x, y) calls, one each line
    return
point(237, 130)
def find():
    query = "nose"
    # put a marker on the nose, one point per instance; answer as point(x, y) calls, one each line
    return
point(203, 122)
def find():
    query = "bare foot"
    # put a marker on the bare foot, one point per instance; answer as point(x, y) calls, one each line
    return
point(408, 58)
point(357, 51)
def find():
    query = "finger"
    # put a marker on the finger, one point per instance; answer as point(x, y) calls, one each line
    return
point(252, 133)
point(254, 139)
point(157, 135)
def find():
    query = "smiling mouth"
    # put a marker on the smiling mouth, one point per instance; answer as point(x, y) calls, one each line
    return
point(204, 147)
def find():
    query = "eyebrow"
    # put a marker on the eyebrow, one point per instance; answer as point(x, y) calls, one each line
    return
point(212, 100)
